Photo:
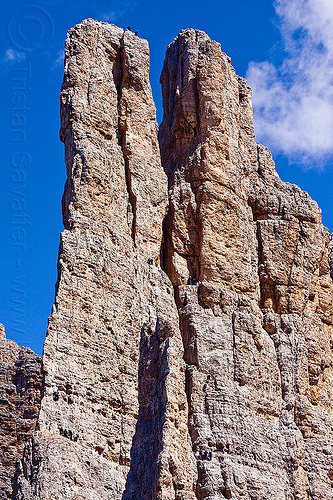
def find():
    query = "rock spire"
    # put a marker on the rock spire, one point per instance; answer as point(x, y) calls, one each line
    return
point(188, 353)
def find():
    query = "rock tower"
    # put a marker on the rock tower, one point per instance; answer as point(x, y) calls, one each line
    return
point(189, 349)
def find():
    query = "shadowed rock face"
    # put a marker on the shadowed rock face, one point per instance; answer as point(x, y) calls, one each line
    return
point(20, 395)
point(189, 346)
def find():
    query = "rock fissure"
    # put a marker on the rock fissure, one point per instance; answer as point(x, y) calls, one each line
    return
point(123, 143)
point(131, 196)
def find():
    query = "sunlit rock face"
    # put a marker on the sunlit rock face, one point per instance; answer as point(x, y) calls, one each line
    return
point(257, 325)
point(113, 355)
point(188, 352)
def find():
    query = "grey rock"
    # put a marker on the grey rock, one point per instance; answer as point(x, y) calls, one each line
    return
point(114, 374)
point(257, 327)
point(189, 345)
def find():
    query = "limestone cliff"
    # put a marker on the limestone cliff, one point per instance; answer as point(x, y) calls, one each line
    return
point(189, 347)
point(257, 328)
point(114, 374)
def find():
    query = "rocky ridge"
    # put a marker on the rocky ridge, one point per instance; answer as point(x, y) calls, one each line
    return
point(20, 394)
point(189, 346)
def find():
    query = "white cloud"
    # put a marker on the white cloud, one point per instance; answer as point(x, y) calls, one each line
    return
point(12, 55)
point(120, 8)
point(59, 61)
point(110, 16)
point(293, 102)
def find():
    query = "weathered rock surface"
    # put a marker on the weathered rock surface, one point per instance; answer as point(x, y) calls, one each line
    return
point(20, 395)
point(189, 348)
point(54, 467)
point(257, 328)
point(114, 373)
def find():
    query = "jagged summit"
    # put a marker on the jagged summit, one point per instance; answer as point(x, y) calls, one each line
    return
point(189, 346)
point(190, 33)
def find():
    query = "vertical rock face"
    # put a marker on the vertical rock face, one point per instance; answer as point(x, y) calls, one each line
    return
point(209, 153)
point(114, 374)
point(20, 395)
point(257, 325)
point(189, 346)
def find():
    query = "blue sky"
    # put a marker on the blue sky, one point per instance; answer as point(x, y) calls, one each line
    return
point(285, 49)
